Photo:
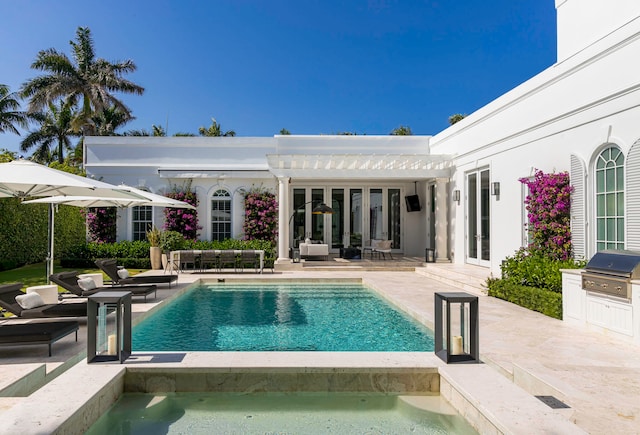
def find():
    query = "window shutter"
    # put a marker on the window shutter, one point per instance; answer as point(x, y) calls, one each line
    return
point(632, 196)
point(578, 209)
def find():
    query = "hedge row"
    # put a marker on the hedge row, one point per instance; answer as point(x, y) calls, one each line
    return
point(537, 299)
point(24, 232)
point(136, 254)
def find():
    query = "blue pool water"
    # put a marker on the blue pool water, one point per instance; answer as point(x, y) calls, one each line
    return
point(280, 317)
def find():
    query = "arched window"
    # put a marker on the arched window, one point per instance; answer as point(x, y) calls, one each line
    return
point(609, 169)
point(221, 215)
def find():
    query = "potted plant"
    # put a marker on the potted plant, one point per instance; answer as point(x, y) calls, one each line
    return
point(154, 236)
point(170, 241)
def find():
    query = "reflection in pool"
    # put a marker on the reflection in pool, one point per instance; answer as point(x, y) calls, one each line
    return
point(281, 317)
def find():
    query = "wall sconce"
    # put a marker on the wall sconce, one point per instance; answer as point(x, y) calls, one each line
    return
point(456, 328)
point(456, 196)
point(495, 188)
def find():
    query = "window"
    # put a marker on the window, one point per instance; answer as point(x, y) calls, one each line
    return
point(221, 215)
point(609, 170)
point(142, 221)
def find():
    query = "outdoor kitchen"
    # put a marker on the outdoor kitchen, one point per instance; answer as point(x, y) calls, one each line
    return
point(605, 295)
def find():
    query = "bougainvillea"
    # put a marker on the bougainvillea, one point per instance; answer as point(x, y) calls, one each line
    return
point(548, 211)
point(183, 220)
point(260, 215)
point(101, 224)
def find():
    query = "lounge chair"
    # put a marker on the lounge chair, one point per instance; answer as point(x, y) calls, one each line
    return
point(37, 333)
point(113, 271)
point(383, 247)
point(69, 282)
point(8, 293)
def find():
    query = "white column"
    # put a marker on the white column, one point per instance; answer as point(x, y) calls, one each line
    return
point(283, 218)
point(442, 210)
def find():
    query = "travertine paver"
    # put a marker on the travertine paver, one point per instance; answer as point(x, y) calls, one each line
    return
point(598, 376)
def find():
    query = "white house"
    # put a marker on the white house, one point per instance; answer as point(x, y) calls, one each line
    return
point(580, 115)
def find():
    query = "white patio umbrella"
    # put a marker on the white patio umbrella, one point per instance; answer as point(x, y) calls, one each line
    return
point(23, 179)
point(147, 199)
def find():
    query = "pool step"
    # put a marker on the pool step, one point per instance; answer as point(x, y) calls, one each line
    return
point(467, 278)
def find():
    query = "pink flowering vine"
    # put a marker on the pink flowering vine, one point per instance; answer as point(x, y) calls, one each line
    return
point(548, 210)
point(101, 224)
point(183, 220)
point(260, 216)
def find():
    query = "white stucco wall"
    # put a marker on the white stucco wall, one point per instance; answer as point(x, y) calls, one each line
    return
point(575, 106)
point(583, 22)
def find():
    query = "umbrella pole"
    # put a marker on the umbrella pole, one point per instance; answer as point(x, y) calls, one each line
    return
point(51, 239)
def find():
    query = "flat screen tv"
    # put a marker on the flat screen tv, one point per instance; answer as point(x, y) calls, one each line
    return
point(413, 202)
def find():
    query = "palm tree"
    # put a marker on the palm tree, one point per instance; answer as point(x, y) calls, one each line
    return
point(83, 79)
point(457, 117)
point(109, 120)
point(401, 131)
point(215, 130)
point(10, 116)
point(55, 129)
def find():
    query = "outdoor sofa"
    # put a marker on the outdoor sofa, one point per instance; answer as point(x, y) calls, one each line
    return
point(9, 292)
point(120, 276)
point(71, 283)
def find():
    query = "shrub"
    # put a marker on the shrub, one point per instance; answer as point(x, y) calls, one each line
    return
point(535, 268)
point(538, 299)
point(171, 241)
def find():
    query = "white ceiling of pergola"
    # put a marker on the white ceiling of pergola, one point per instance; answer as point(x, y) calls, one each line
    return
point(358, 166)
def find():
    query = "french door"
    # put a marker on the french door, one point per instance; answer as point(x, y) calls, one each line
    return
point(359, 214)
point(478, 218)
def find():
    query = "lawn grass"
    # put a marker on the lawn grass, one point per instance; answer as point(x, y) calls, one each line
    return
point(35, 274)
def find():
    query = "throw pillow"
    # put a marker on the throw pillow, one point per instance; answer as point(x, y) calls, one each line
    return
point(123, 273)
point(29, 300)
point(86, 284)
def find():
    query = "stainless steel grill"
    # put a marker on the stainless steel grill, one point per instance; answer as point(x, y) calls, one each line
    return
point(611, 272)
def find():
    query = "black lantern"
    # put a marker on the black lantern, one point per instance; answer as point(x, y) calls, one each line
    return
point(109, 326)
point(430, 255)
point(456, 327)
point(296, 255)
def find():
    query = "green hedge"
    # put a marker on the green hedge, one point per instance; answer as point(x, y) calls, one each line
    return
point(24, 232)
point(136, 254)
point(537, 299)
point(535, 269)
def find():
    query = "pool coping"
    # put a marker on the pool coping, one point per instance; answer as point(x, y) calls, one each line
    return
point(76, 399)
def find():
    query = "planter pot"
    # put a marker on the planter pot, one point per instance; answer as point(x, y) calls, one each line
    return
point(155, 254)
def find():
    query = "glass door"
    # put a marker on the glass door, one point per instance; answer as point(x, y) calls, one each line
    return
point(478, 218)
point(338, 233)
point(355, 217)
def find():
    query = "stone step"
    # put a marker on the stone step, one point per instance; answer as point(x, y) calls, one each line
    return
point(469, 282)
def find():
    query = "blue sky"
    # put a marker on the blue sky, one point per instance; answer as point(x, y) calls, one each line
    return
point(312, 67)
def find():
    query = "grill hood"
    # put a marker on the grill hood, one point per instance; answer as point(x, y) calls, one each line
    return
point(624, 264)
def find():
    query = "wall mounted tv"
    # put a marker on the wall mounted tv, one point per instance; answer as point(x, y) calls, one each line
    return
point(413, 202)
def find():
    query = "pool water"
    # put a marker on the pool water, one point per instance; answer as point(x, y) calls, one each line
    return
point(234, 413)
point(281, 317)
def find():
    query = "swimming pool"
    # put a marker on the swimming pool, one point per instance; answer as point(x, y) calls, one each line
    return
point(229, 413)
point(281, 317)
